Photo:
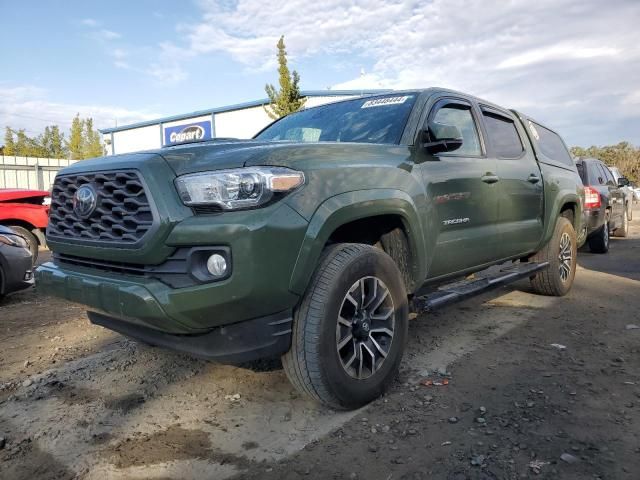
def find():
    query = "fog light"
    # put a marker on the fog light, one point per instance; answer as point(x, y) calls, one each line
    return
point(217, 265)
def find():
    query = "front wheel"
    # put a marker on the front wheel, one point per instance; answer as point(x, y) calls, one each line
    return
point(32, 241)
point(350, 329)
point(561, 253)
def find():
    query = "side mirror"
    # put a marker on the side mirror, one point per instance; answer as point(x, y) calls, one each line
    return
point(440, 138)
point(623, 181)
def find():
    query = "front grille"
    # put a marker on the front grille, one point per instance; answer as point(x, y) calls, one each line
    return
point(122, 213)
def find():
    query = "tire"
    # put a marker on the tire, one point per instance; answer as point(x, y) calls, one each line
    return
point(561, 253)
point(316, 364)
point(31, 239)
point(599, 241)
point(623, 231)
point(395, 244)
point(1, 283)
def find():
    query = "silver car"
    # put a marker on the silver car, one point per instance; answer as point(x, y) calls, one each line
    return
point(15, 262)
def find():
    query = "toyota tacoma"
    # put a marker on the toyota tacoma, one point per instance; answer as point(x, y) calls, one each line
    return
point(315, 239)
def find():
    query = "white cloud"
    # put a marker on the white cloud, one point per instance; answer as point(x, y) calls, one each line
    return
point(105, 35)
point(567, 61)
point(366, 81)
point(89, 22)
point(31, 108)
point(557, 52)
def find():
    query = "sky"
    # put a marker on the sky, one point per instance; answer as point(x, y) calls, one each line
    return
point(571, 64)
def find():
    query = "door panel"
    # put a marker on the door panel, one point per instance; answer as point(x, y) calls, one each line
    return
point(465, 213)
point(520, 191)
point(461, 188)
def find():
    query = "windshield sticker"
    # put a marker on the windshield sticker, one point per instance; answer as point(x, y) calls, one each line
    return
point(534, 132)
point(382, 102)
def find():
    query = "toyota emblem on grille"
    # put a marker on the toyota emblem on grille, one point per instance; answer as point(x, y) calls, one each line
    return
point(85, 201)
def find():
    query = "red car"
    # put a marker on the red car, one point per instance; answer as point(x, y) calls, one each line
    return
point(27, 213)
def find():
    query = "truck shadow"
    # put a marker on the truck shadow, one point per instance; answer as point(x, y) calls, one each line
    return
point(623, 259)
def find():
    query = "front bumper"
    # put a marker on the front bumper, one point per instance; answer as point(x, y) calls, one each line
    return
point(16, 265)
point(264, 245)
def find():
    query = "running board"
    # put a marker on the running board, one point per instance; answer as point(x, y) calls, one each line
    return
point(482, 282)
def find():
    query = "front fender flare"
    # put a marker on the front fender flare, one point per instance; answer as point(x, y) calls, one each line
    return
point(350, 206)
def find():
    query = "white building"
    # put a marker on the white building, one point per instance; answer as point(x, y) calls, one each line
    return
point(243, 120)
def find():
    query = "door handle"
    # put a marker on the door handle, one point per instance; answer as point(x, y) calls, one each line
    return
point(490, 178)
point(533, 178)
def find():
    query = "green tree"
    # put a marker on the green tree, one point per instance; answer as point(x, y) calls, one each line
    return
point(56, 147)
point(75, 145)
point(23, 143)
point(287, 100)
point(9, 143)
point(622, 155)
point(92, 144)
point(52, 141)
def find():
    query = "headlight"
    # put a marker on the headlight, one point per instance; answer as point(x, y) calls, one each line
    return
point(13, 241)
point(238, 188)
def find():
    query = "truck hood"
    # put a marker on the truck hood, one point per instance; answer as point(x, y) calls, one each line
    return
point(218, 155)
point(235, 154)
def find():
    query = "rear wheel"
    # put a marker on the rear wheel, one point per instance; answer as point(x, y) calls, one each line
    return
point(599, 241)
point(623, 231)
point(350, 329)
point(31, 239)
point(560, 252)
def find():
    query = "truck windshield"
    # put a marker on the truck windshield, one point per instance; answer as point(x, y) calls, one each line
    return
point(379, 119)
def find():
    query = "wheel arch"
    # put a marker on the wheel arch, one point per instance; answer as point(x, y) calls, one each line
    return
point(352, 212)
point(37, 232)
point(569, 206)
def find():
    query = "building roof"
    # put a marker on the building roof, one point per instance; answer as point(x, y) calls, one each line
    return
point(239, 106)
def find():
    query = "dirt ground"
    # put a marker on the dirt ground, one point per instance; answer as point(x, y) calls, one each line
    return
point(537, 388)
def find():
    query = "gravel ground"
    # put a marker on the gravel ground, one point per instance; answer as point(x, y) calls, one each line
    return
point(537, 388)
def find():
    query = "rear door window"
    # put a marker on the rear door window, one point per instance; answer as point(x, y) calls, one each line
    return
point(583, 173)
point(609, 175)
point(503, 135)
point(597, 174)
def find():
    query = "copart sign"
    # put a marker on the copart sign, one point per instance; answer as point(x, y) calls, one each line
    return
point(188, 132)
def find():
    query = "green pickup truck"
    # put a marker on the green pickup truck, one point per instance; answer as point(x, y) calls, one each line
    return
point(315, 239)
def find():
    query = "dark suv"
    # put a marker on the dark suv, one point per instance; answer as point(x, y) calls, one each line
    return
point(604, 204)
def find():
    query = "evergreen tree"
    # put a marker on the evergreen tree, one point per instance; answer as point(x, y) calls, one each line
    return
point(92, 144)
point(288, 99)
point(46, 140)
point(22, 143)
point(75, 145)
point(56, 149)
point(9, 143)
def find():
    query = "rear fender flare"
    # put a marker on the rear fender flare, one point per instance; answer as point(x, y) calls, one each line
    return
point(568, 198)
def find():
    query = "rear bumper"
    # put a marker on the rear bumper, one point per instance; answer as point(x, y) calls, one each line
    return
point(262, 337)
point(16, 266)
point(594, 219)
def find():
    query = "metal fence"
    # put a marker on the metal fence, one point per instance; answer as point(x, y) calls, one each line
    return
point(29, 172)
